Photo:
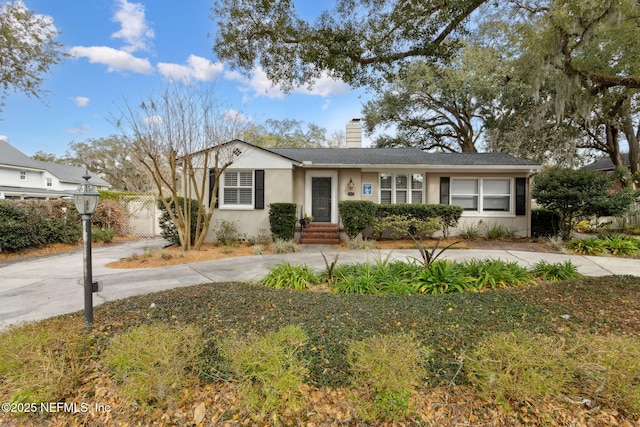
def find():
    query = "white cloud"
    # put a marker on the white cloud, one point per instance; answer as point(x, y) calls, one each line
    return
point(80, 130)
point(258, 82)
point(325, 86)
point(197, 68)
point(81, 101)
point(114, 59)
point(326, 104)
point(236, 116)
point(134, 29)
point(262, 86)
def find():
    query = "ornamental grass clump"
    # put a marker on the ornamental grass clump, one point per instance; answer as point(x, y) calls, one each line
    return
point(152, 363)
point(270, 371)
point(40, 365)
point(385, 370)
point(519, 367)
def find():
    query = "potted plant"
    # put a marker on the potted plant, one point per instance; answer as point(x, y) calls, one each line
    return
point(305, 221)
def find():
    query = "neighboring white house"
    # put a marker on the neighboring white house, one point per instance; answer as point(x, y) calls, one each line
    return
point(22, 177)
point(493, 188)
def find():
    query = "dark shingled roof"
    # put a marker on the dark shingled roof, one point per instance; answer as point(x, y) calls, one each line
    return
point(605, 164)
point(396, 156)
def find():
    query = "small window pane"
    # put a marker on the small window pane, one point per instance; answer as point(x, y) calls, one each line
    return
point(401, 181)
point(401, 196)
point(246, 179)
point(464, 186)
point(230, 196)
point(230, 179)
point(496, 186)
point(496, 203)
point(385, 181)
point(385, 197)
point(416, 181)
point(245, 196)
point(416, 197)
point(468, 203)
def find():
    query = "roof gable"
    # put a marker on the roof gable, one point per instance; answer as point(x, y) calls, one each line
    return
point(9, 155)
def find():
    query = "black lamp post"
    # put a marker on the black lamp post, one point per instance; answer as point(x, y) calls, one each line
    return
point(86, 201)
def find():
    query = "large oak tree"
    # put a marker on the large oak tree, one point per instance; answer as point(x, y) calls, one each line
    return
point(362, 42)
point(28, 49)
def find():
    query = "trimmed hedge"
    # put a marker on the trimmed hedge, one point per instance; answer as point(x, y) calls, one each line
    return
point(357, 215)
point(449, 214)
point(282, 220)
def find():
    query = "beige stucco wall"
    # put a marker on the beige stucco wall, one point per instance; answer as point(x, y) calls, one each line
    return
point(278, 189)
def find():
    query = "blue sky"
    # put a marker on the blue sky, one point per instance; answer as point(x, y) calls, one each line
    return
point(123, 51)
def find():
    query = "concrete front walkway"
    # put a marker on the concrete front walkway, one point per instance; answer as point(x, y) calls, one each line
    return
point(48, 286)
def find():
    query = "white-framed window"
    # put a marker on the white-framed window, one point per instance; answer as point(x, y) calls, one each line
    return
point(401, 188)
point(237, 189)
point(482, 194)
point(23, 175)
point(49, 182)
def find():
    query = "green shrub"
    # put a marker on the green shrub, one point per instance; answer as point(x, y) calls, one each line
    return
point(553, 272)
point(227, 233)
point(356, 216)
point(385, 369)
point(282, 220)
point(168, 228)
point(35, 223)
point(105, 235)
point(281, 246)
point(270, 370)
point(519, 366)
point(448, 215)
point(392, 226)
point(151, 363)
point(43, 364)
point(287, 276)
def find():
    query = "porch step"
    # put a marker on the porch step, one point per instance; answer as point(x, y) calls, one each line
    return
point(321, 233)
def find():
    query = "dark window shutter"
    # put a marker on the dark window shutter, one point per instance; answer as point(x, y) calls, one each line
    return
point(521, 196)
point(444, 190)
point(212, 183)
point(259, 189)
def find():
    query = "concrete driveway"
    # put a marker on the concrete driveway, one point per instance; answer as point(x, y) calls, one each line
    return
point(43, 287)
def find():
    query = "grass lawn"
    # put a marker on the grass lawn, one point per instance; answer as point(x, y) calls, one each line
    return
point(450, 326)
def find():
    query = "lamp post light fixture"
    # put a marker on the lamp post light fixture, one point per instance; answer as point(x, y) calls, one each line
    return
point(86, 201)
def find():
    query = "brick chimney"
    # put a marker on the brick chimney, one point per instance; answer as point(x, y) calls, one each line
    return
point(354, 134)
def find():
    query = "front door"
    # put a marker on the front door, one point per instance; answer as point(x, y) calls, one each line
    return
point(321, 199)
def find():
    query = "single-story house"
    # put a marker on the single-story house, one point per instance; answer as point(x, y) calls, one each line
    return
point(493, 188)
point(22, 177)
